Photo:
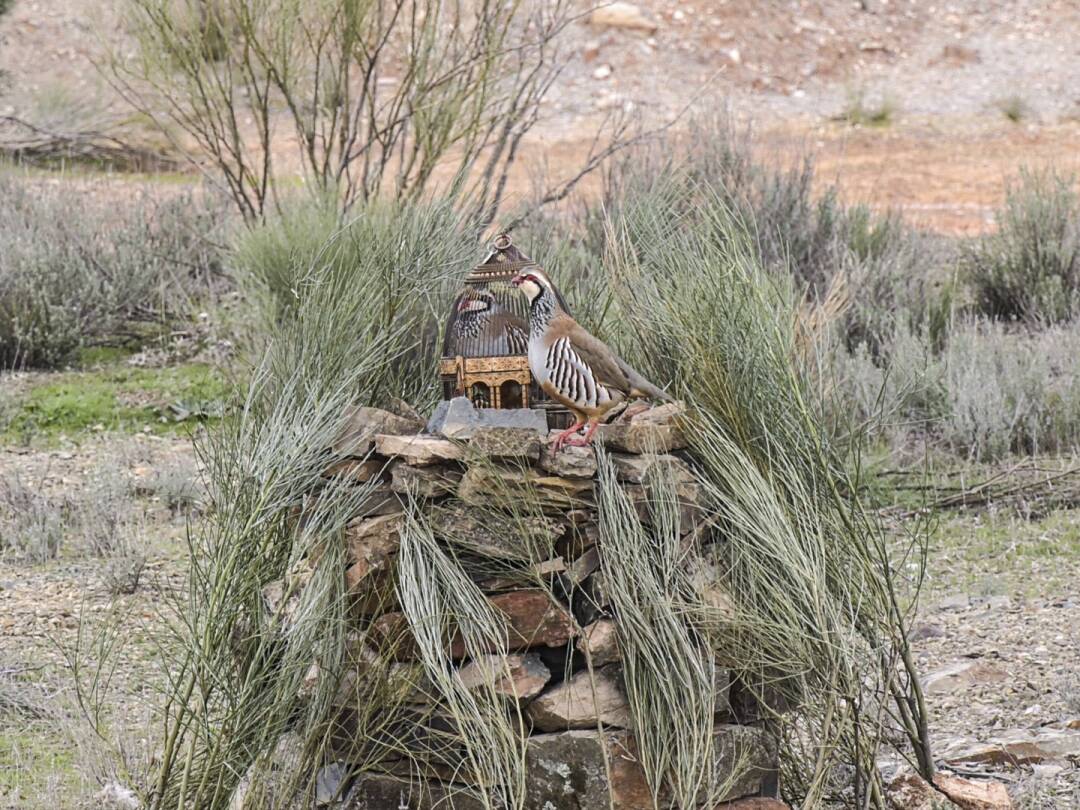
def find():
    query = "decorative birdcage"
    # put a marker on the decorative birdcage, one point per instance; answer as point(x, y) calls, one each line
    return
point(484, 351)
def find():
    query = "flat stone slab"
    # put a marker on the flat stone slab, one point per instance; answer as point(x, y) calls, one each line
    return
point(600, 639)
point(381, 792)
point(1015, 747)
point(419, 450)
point(637, 469)
point(529, 617)
point(516, 676)
point(581, 701)
point(655, 430)
point(489, 536)
point(432, 481)
point(569, 462)
point(458, 419)
point(361, 426)
point(372, 543)
point(354, 469)
point(507, 443)
point(482, 483)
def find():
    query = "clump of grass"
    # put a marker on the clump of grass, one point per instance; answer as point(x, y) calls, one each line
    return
point(438, 599)
point(76, 271)
point(101, 520)
point(796, 232)
point(33, 523)
point(1014, 108)
point(820, 618)
point(1011, 391)
point(178, 487)
point(1029, 269)
point(989, 392)
point(667, 669)
point(108, 525)
point(337, 333)
point(819, 622)
point(410, 251)
point(863, 109)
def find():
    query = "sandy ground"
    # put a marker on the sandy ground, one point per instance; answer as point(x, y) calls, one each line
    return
point(945, 70)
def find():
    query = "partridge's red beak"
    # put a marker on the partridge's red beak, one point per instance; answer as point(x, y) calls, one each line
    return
point(516, 280)
point(463, 304)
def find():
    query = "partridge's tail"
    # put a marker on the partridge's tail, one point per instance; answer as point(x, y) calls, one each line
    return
point(639, 386)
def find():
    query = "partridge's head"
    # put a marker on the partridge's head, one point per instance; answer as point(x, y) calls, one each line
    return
point(533, 283)
point(476, 302)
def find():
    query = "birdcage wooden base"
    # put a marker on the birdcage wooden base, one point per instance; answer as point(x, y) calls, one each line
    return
point(488, 382)
point(499, 382)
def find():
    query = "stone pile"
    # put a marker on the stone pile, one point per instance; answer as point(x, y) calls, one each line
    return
point(570, 761)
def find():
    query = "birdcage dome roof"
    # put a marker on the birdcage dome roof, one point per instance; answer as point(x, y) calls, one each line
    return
point(489, 317)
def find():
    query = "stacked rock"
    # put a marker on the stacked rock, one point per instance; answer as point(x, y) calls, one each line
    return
point(561, 663)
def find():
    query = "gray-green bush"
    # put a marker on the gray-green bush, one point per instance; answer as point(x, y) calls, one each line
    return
point(1029, 268)
point(408, 259)
point(78, 269)
point(990, 391)
point(33, 523)
point(893, 272)
point(790, 544)
point(1011, 391)
point(102, 520)
point(351, 316)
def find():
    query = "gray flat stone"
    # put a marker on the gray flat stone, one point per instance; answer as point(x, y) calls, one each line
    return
point(600, 639)
point(506, 443)
point(569, 461)
point(516, 676)
point(582, 700)
point(362, 424)
point(458, 419)
point(489, 535)
point(425, 482)
point(418, 450)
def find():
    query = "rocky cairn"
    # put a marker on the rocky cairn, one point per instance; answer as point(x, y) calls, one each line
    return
point(562, 666)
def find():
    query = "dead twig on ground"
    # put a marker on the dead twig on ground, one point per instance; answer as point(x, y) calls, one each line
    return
point(26, 142)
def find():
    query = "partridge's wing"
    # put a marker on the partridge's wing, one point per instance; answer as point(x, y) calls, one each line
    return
point(514, 331)
point(590, 354)
point(518, 339)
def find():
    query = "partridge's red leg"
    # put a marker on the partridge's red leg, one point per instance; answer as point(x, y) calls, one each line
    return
point(587, 438)
point(564, 437)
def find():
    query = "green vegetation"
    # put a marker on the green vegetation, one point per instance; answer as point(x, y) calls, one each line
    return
point(1029, 268)
point(52, 759)
point(795, 328)
point(1014, 108)
point(992, 552)
point(862, 109)
point(357, 319)
point(117, 398)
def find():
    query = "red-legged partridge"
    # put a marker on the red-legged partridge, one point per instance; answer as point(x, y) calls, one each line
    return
point(481, 318)
point(572, 366)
